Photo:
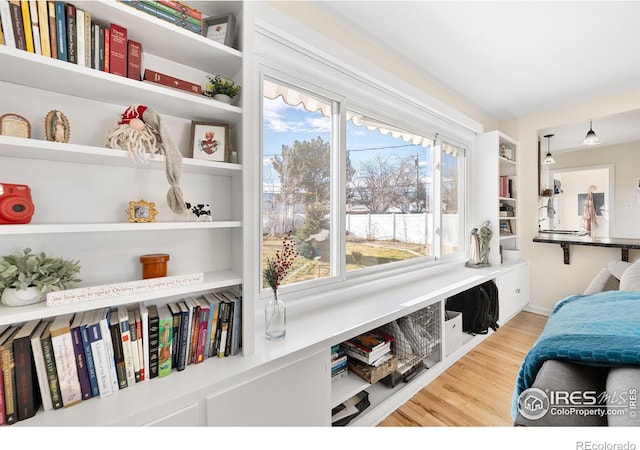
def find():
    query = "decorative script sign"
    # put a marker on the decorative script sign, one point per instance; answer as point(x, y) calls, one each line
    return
point(121, 289)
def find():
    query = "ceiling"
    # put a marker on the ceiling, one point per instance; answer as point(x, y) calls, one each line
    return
point(514, 58)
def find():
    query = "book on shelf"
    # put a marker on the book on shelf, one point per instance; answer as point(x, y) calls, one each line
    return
point(174, 309)
point(210, 300)
point(165, 324)
point(50, 365)
point(106, 66)
point(62, 344)
point(41, 369)
point(9, 375)
point(118, 50)
point(134, 60)
point(367, 358)
point(154, 331)
point(87, 39)
point(100, 357)
point(27, 391)
point(61, 31)
point(136, 343)
point(235, 324)
point(203, 323)
point(225, 331)
point(340, 374)
point(26, 26)
point(80, 44)
point(95, 45)
point(183, 335)
point(118, 351)
point(17, 24)
point(88, 355)
point(105, 329)
point(144, 324)
point(43, 20)
point(169, 81)
point(3, 418)
point(7, 24)
point(35, 27)
point(193, 313)
point(72, 33)
point(53, 34)
point(370, 341)
point(127, 348)
point(80, 358)
point(222, 316)
point(214, 305)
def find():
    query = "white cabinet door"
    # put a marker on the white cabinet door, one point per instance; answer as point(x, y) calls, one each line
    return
point(298, 394)
point(514, 291)
point(185, 417)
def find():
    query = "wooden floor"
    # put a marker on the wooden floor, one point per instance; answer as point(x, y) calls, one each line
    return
point(477, 389)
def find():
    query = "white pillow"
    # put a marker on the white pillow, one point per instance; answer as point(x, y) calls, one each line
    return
point(630, 280)
point(603, 281)
point(617, 268)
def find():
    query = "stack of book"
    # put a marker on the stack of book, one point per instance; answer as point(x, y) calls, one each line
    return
point(370, 356)
point(176, 13)
point(338, 363)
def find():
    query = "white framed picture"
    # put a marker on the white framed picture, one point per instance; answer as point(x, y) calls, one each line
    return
point(210, 141)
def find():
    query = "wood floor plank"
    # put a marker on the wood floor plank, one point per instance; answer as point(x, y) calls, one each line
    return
point(477, 389)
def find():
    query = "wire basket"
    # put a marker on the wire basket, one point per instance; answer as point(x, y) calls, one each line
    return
point(416, 336)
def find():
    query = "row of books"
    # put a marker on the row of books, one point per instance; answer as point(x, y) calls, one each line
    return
point(176, 13)
point(506, 186)
point(60, 362)
point(339, 368)
point(62, 31)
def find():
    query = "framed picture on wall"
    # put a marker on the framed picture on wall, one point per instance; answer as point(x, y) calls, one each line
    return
point(210, 141)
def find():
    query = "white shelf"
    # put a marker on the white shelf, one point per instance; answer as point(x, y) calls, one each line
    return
point(10, 230)
point(508, 199)
point(512, 236)
point(28, 69)
point(212, 280)
point(346, 388)
point(160, 37)
point(84, 154)
point(509, 218)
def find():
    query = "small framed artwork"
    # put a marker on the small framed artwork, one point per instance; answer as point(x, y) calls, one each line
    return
point(220, 29)
point(505, 227)
point(210, 141)
point(56, 127)
point(15, 125)
point(142, 211)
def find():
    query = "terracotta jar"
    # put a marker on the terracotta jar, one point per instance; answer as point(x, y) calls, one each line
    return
point(154, 265)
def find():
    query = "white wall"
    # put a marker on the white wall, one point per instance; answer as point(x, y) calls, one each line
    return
point(551, 280)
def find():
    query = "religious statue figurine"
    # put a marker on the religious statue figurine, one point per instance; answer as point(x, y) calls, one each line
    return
point(479, 245)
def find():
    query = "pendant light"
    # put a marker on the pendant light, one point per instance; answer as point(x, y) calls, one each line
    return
point(548, 159)
point(591, 138)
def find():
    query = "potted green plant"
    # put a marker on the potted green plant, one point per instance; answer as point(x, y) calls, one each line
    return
point(26, 277)
point(222, 89)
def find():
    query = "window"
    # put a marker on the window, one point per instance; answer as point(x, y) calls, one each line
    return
point(389, 194)
point(297, 178)
point(401, 198)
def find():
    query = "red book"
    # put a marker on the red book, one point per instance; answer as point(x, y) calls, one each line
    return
point(107, 49)
point(134, 60)
point(118, 50)
point(166, 80)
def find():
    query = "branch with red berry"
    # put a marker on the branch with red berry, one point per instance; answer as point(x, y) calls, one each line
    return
point(278, 267)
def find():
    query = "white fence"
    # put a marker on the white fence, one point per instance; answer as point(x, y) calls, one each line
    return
point(401, 227)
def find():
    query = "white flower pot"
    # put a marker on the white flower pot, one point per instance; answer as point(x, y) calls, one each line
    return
point(15, 297)
point(224, 98)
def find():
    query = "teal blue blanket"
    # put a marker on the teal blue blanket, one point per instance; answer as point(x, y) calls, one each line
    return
point(600, 329)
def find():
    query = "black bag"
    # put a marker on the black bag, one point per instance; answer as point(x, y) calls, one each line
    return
point(479, 307)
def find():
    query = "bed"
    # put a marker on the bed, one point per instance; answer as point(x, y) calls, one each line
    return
point(584, 369)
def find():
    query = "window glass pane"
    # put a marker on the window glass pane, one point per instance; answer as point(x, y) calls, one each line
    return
point(451, 189)
point(388, 194)
point(296, 185)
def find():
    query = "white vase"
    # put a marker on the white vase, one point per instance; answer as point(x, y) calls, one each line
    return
point(22, 297)
point(224, 98)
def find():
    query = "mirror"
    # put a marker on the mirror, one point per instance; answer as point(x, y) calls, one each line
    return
point(611, 167)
